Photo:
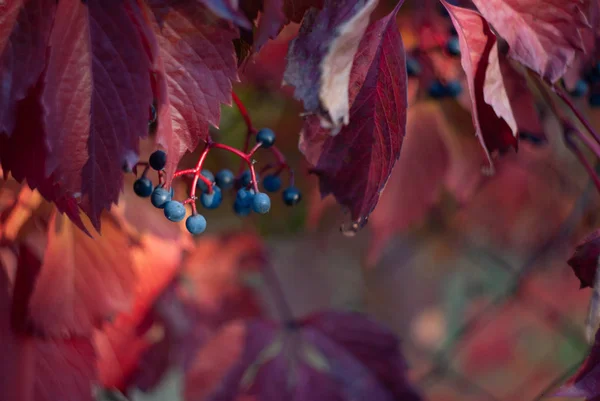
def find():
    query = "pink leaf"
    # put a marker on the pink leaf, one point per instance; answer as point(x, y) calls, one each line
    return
point(543, 35)
point(355, 164)
point(320, 58)
point(195, 71)
point(24, 32)
point(271, 22)
point(477, 42)
point(97, 95)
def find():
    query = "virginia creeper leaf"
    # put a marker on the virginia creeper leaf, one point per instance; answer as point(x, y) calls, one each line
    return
point(295, 9)
point(320, 58)
point(543, 35)
point(97, 95)
point(584, 261)
point(32, 369)
point(330, 355)
point(228, 9)
point(355, 164)
point(195, 71)
point(82, 280)
point(271, 22)
point(24, 32)
point(477, 44)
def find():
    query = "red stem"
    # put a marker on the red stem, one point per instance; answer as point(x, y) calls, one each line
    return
point(243, 112)
point(565, 98)
point(581, 157)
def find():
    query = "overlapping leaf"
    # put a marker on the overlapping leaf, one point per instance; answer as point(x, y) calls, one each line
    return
point(96, 99)
point(484, 78)
point(543, 35)
point(195, 67)
point(330, 355)
point(271, 21)
point(355, 164)
point(320, 59)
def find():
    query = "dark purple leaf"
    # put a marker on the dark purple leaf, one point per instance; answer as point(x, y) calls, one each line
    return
point(271, 22)
point(228, 9)
point(585, 260)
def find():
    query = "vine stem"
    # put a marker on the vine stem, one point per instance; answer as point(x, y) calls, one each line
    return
point(565, 98)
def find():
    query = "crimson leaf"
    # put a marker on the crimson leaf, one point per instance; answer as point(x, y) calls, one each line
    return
point(355, 164)
point(295, 9)
point(584, 261)
point(96, 97)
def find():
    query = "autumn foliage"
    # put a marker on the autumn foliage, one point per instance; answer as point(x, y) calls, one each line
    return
point(450, 126)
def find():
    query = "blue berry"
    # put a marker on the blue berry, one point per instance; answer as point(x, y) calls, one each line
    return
point(158, 160)
point(225, 179)
point(246, 178)
point(453, 46)
point(581, 88)
point(437, 89)
point(453, 88)
point(266, 136)
point(272, 183)
point(240, 209)
point(195, 224)
point(413, 67)
point(201, 185)
point(174, 211)
point(594, 100)
point(291, 196)
point(143, 187)
point(212, 201)
point(245, 197)
point(261, 203)
point(161, 196)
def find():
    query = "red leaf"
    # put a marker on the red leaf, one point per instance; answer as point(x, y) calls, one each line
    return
point(320, 58)
point(24, 32)
point(32, 369)
point(295, 9)
point(228, 9)
point(543, 35)
point(271, 22)
point(196, 68)
point(82, 281)
point(355, 164)
point(331, 355)
point(477, 42)
point(96, 97)
point(585, 260)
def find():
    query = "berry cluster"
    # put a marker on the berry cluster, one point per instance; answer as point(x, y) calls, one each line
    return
point(211, 187)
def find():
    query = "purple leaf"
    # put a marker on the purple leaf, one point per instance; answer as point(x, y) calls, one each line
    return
point(320, 58)
point(355, 164)
point(271, 21)
point(228, 9)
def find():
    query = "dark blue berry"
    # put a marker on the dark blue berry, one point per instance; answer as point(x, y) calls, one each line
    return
point(174, 211)
point(291, 196)
point(161, 196)
point(158, 160)
point(240, 209)
point(195, 224)
point(225, 179)
point(581, 88)
point(261, 203)
point(201, 185)
point(245, 197)
point(594, 100)
point(212, 201)
point(453, 46)
point(246, 178)
point(272, 183)
point(453, 88)
point(266, 136)
point(143, 187)
point(437, 89)
point(413, 67)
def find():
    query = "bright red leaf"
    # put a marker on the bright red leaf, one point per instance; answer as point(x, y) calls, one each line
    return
point(32, 369)
point(355, 164)
point(195, 70)
point(96, 97)
point(329, 355)
point(24, 32)
point(543, 35)
point(477, 42)
point(320, 58)
point(585, 260)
